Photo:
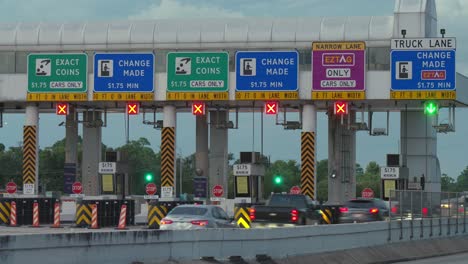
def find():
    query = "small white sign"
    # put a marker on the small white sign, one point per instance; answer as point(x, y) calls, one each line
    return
point(77, 195)
point(424, 44)
point(28, 188)
point(150, 197)
point(166, 192)
point(414, 186)
point(390, 173)
point(107, 167)
point(215, 199)
point(242, 169)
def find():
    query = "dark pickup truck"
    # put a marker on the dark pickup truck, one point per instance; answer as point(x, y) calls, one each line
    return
point(285, 210)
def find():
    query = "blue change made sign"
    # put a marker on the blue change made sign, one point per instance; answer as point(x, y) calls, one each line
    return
point(267, 71)
point(423, 64)
point(123, 72)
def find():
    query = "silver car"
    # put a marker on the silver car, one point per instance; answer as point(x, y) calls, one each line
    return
point(185, 217)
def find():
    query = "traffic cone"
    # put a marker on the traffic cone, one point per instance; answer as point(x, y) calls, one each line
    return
point(94, 216)
point(35, 215)
point(13, 214)
point(56, 216)
point(123, 218)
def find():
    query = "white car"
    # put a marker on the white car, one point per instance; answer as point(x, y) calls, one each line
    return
point(184, 217)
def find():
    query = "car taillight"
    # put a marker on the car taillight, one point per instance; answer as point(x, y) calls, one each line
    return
point(200, 222)
point(166, 222)
point(425, 211)
point(394, 209)
point(374, 210)
point(344, 209)
point(294, 215)
point(252, 214)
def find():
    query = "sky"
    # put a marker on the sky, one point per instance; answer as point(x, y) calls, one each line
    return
point(278, 143)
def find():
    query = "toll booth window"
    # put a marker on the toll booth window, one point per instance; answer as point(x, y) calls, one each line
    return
point(188, 211)
point(7, 62)
point(378, 59)
point(21, 62)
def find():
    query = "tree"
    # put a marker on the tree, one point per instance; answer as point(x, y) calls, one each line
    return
point(462, 181)
point(11, 162)
point(141, 160)
point(448, 183)
point(322, 180)
point(370, 179)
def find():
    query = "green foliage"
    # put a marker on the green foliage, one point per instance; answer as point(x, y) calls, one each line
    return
point(11, 162)
point(370, 179)
point(462, 181)
point(288, 170)
point(448, 183)
point(141, 160)
point(322, 180)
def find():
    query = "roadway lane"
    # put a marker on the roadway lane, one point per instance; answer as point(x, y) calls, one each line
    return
point(452, 259)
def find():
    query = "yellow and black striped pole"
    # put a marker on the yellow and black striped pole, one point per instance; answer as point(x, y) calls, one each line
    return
point(309, 128)
point(167, 156)
point(308, 164)
point(29, 155)
point(5, 208)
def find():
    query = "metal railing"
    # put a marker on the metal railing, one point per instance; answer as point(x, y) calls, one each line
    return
point(429, 213)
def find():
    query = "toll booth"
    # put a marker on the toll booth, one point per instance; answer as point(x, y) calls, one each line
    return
point(393, 176)
point(249, 178)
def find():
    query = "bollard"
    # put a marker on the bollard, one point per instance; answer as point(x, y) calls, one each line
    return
point(155, 214)
point(94, 217)
point(123, 218)
point(13, 214)
point(56, 216)
point(35, 214)
point(242, 216)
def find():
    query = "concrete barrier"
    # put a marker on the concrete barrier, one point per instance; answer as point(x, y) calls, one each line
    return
point(150, 246)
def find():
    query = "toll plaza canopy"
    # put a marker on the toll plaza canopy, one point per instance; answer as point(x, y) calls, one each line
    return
point(418, 19)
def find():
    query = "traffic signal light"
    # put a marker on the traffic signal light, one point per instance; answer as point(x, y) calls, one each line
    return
point(133, 108)
point(271, 108)
point(149, 177)
point(198, 109)
point(278, 179)
point(431, 108)
point(340, 108)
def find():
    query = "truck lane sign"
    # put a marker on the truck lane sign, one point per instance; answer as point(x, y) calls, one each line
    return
point(197, 76)
point(423, 68)
point(338, 70)
point(57, 76)
point(124, 74)
point(266, 75)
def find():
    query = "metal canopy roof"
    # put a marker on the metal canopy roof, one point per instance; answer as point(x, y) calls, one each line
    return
point(174, 34)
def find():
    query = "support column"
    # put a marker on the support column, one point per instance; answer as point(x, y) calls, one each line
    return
point(419, 149)
point(71, 149)
point(308, 161)
point(168, 145)
point(92, 153)
point(341, 159)
point(201, 146)
point(31, 151)
point(218, 174)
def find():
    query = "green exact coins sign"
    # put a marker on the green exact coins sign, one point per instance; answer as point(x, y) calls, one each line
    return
point(197, 71)
point(61, 73)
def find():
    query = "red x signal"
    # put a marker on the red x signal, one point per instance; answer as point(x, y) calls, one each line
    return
point(61, 109)
point(133, 108)
point(340, 108)
point(198, 109)
point(271, 108)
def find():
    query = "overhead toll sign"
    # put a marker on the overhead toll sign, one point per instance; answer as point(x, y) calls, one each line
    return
point(57, 77)
point(197, 76)
point(338, 70)
point(266, 75)
point(423, 68)
point(123, 76)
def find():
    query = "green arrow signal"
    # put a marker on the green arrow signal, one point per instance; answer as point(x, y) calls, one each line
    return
point(431, 108)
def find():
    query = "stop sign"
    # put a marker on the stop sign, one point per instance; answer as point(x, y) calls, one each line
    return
point(151, 189)
point(11, 187)
point(218, 191)
point(367, 193)
point(77, 188)
point(295, 190)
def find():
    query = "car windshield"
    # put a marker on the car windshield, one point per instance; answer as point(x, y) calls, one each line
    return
point(188, 211)
point(286, 200)
point(359, 204)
